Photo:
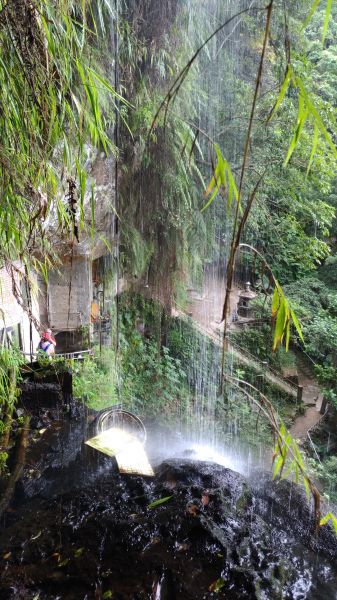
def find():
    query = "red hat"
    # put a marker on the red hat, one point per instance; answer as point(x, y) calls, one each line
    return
point(46, 335)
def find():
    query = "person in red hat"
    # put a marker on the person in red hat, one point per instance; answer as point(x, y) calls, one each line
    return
point(47, 342)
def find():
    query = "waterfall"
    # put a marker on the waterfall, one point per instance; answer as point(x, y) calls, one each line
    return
point(221, 71)
point(220, 79)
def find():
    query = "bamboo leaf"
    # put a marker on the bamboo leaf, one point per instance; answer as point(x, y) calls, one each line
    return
point(276, 302)
point(209, 202)
point(283, 90)
point(282, 430)
point(303, 113)
point(297, 454)
point(287, 335)
point(221, 166)
point(280, 323)
point(105, 242)
point(314, 147)
point(324, 520)
point(326, 20)
point(317, 118)
point(217, 585)
point(278, 464)
point(334, 522)
point(329, 517)
point(66, 151)
point(108, 87)
point(288, 441)
point(311, 13)
point(160, 501)
point(222, 176)
point(289, 470)
point(297, 473)
point(297, 325)
point(233, 184)
point(212, 183)
point(307, 488)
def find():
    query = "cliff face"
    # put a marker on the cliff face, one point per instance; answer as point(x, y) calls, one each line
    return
point(152, 185)
point(150, 20)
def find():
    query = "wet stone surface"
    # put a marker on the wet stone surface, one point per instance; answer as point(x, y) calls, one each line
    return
point(218, 536)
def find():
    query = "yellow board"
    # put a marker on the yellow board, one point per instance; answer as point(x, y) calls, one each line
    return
point(128, 450)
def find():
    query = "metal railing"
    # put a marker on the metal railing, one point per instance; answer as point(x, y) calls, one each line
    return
point(218, 338)
point(262, 364)
point(75, 355)
point(78, 355)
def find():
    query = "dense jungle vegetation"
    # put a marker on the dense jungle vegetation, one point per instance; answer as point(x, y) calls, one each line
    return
point(240, 151)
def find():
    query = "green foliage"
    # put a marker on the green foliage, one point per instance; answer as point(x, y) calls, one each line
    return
point(316, 308)
point(152, 381)
point(316, 305)
point(145, 375)
point(52, 95)
point(326, 472)
point(159, 194)
point(11, 360)
point(306, 110)
point(328, 272)
point(3, 459)
point(258, 341)
point(312, 12)
point(327, 378)
point(50, 366)
point(284, 445)
point(139, 251)
point(199, 356)
point(95, 379)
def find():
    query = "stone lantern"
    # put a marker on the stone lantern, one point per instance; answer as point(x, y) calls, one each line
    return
point(245, 298)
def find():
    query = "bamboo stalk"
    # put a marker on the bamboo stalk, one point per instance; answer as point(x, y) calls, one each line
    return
point(239, 226)
point(19, 465)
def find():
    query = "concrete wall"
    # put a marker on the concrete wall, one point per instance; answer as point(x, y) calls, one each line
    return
point(69, 292)
point(66, 299)
point(12, 314)
point(43, 302)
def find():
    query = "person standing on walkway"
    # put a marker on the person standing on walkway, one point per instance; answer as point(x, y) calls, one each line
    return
point(47, 343)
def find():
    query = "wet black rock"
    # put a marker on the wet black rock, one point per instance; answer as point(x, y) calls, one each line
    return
point(216, 536)
point(45, 390)
point(57, 459)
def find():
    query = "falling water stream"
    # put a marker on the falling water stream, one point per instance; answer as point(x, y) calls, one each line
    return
point(221, 68)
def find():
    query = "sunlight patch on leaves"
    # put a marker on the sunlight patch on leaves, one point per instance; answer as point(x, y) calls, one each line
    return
point(329, 517)
point(283, 316)
point(222, 180)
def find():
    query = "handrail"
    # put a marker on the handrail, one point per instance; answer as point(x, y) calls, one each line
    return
point(217, 338)
point(258, 360)
point(68, 355)
point(78, 354)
